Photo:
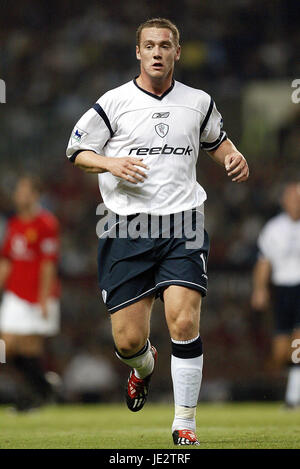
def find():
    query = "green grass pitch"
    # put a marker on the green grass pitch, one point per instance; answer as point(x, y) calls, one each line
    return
point(232, 426)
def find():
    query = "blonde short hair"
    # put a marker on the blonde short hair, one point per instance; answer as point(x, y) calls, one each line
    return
point(158, 23)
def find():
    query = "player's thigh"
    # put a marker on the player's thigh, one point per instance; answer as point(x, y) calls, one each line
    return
point(11, 344)
point(131, 325)
point(18, 344)
point(182, 310)
point(281, 345)
point(32, 345)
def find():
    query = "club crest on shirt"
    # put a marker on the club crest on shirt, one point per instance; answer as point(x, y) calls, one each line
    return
point(162, 129)
point(31, 235)
point(78, 135)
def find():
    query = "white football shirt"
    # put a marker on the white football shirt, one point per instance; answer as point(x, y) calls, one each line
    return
point(165, 131)
point(279, 242)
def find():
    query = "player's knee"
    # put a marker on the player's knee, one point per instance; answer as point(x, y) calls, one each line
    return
point(184, 326)
point(128, 346)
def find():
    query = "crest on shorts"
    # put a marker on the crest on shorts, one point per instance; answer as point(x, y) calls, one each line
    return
point(162, 129)
point(104, 295)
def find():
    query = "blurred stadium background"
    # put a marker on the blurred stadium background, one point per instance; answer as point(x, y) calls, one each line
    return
point(57, 58)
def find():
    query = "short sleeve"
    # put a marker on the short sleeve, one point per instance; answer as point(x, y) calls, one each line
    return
point(93, 129)
point(265, 244)
point(211, 133)
point(5, 250)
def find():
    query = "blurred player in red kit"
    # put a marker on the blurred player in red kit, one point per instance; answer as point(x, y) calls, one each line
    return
point(30, 308)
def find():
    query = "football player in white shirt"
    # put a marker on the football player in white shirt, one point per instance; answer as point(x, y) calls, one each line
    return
point(277, 276)
point(142, 139)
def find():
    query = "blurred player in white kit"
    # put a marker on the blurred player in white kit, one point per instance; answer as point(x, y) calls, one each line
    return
point(276, 283)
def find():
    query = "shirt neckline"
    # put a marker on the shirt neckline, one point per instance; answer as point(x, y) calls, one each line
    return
point(152, 94)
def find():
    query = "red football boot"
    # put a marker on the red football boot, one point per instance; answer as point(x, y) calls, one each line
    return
point(185, 437)
point(137, 388)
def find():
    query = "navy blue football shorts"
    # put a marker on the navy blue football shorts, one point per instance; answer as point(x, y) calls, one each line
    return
point(140, 255)
point(286, 301)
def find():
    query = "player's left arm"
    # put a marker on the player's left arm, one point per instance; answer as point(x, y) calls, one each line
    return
point(5, 260)
point(49, 246)
point(235, 163)
point(47, 279)
point(5, 268)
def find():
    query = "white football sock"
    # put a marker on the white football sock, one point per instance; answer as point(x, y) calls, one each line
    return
point(186, 377)
point(142, 362)
point(292, 395)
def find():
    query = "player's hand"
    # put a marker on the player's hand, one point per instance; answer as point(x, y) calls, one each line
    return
point(128, 168)
point(236, 166)
point(260, 299)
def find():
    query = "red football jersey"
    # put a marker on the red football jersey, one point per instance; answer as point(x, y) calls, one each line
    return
point(26, 245)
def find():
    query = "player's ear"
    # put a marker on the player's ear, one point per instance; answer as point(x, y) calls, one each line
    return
point(137, 50)
point(178, 52)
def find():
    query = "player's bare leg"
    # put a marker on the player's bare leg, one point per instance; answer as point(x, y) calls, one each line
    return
point(131, 329)
point(182, 309)
point(25, 352)
point(27, 345)
point(280, 351)
point(11, 344)
point(131, 326)
point(279, 357)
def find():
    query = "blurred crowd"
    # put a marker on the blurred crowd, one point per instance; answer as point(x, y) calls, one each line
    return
point(57, 58)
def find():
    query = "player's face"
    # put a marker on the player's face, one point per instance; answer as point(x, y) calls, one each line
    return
point(25, 197)
point(291, 200)
point(157, 53)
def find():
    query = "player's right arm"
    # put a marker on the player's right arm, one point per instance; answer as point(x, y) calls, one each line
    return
point(262, 271)
point(5, 262)
point(89, 137)
point(127, 167)
point(5, 267)
point(260, 298)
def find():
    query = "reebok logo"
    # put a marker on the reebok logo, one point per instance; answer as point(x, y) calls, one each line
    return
point(160, 115)
point(165, 150)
